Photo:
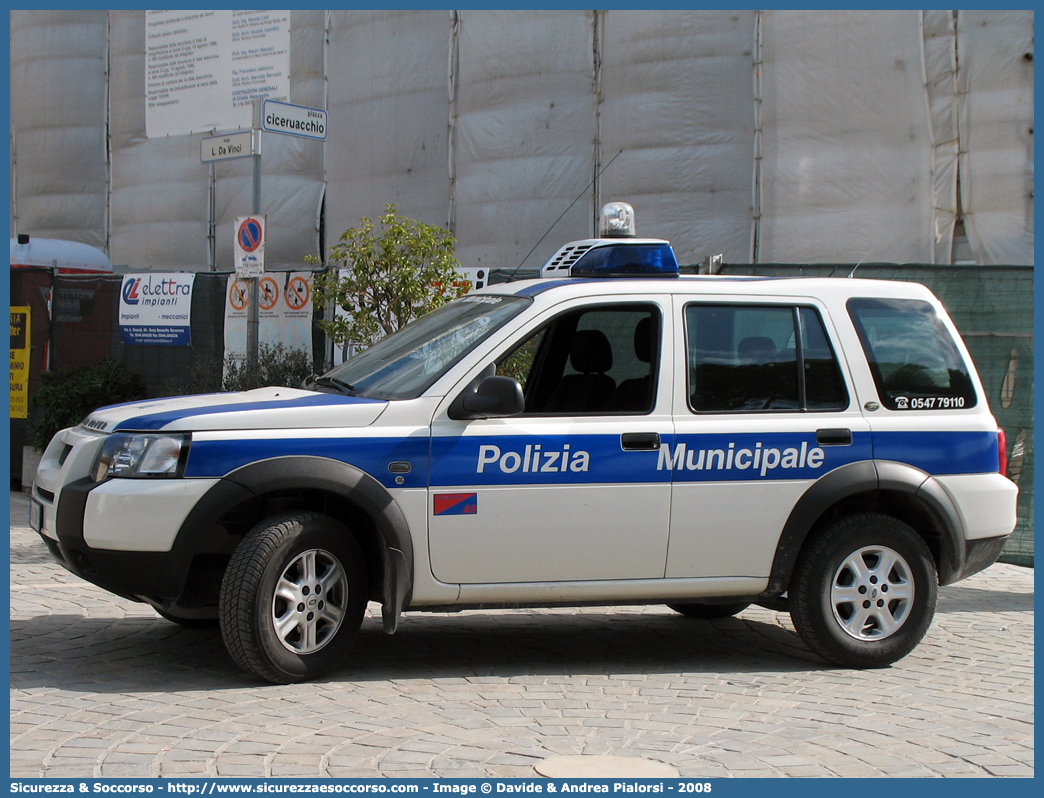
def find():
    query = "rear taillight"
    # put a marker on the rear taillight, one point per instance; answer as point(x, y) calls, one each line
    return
point(1002, 452)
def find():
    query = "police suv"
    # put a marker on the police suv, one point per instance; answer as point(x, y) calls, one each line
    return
point(610, 433)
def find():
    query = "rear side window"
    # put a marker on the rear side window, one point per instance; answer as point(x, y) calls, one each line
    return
point(750, 358)
point(912, 356)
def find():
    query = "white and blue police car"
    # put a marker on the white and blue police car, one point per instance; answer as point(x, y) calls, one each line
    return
point(610, 433)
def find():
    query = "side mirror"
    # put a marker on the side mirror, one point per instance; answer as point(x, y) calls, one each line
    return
point(488, 397)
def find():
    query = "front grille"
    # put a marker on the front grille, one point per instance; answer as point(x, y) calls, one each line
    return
point(64, 455)
point(45, 494)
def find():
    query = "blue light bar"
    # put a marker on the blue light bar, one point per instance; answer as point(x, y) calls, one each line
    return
point(627, 260)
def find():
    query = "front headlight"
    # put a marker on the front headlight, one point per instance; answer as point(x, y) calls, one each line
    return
point(142, 455)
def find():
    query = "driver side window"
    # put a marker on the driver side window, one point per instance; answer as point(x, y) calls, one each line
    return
point(594, 361)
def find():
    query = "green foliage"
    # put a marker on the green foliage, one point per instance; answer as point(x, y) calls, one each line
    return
point(519, 363)
point(394, 271)
point(276, 365)
point(69, 395)
point(204, 376)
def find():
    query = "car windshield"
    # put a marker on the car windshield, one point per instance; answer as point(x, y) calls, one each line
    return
point(408, 362)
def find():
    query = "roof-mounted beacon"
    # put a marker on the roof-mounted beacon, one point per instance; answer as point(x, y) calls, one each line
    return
point(618, 253)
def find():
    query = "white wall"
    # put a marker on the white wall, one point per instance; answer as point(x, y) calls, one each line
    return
point(823, 136)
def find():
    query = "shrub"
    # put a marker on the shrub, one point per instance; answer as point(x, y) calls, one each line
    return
point(69, 395)
point(277, 365)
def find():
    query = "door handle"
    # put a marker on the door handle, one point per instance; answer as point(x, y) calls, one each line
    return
point(640, 441)
point(834, 437)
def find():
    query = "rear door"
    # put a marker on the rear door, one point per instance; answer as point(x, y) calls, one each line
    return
point(763, 408)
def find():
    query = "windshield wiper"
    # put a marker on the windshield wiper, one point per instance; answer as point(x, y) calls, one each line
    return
point(333, 382)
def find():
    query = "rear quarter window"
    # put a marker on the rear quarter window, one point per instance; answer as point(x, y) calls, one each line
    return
point(912, 356)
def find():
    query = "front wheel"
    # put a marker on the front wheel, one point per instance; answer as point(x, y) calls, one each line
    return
point(864, 590)
point(293, 597)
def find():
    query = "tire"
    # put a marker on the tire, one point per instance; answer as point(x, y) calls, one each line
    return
point(705, 611)
point(293, 597)
point(871, 555)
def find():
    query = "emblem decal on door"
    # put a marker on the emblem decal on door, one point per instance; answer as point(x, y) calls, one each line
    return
point(456, 504)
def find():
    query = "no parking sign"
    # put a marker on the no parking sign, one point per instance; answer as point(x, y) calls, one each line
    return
point(250, 246)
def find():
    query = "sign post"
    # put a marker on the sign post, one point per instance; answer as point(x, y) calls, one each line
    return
point(252, 311)
point(275, 117)
point(250, 264)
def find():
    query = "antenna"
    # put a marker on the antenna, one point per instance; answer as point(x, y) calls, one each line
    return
point(552, 227)
point(852, 273)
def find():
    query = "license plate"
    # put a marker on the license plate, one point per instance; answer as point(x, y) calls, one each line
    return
point(35, 515)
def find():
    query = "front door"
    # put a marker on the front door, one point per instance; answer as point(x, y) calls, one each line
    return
point(569, 490)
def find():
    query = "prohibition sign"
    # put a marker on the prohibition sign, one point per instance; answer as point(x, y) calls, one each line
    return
point(267, 293)
point(249, 234)
point(297, 293)
point(237, 295)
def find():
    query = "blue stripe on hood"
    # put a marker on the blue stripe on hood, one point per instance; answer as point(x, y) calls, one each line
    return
point(155, 421)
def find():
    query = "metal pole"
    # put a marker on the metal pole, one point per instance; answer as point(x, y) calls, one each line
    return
point(252, 309)
point(52, 319)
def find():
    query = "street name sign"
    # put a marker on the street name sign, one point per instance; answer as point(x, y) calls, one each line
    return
point(295, 120)
point(223, 148)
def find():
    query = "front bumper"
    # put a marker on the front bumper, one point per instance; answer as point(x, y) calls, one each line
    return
point(126, 573)
point(159, 575)
point(124, 535)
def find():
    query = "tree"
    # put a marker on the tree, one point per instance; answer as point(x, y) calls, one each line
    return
point(385, 275)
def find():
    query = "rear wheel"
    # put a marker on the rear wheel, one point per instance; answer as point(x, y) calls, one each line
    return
point(864, 590)
point(293, 597)
point(705, 611)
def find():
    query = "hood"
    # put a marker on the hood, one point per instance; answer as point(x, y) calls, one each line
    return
point(264, 408)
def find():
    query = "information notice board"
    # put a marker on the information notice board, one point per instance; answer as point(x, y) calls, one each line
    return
point(20, 347)
point(204, 68)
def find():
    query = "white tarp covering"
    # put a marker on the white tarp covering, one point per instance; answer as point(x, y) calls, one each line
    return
point(58, 63)
point(940, 75)
point(996, 124)
point(847, 156)
point(160, 190)
point(941, 85)
point(388, 110)
point(524, 134)
point(786, 136)
point(678, 101)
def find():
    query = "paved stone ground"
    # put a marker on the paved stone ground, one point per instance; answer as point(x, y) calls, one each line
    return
point(102, 687)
